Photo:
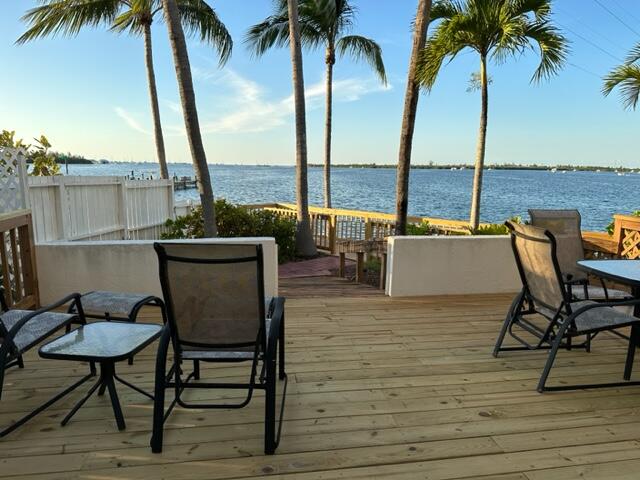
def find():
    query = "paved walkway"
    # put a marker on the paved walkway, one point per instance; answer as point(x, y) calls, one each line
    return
point(317, 267)
point(318, 278)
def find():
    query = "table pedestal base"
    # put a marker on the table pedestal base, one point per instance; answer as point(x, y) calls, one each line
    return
point(106, 381)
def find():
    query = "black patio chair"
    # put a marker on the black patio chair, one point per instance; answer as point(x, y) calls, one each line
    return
point(545, 311)
point(21, 330)
point(216, 312)
point(566, 227)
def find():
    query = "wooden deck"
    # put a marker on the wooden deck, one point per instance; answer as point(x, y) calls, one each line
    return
point(379, 388)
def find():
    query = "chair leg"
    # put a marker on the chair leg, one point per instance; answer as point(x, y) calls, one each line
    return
point(270, 409)
point(634, 341)
point(196, 369)
point(20, 361)
point(515, 305)
point(550, 359)
point(159, 392)
point(281, 346)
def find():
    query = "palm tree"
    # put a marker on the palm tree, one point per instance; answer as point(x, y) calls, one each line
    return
point(627, 77)
point(494, 29)
point(322, 22)
point(409, 117)
point(178, 43)
point(135, 17)
point(305, 246)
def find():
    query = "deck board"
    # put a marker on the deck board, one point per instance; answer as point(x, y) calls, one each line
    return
point(379, 388)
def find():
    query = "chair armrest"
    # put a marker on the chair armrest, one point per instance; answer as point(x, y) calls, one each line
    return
point(276, 324)
point(74, 297)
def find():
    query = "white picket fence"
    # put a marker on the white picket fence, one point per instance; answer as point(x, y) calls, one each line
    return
point(99, 208)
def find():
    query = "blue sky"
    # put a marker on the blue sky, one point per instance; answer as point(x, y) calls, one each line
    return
point(89, 95)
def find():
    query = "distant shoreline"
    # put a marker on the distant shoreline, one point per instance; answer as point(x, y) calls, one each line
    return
point(433, 166)
point(462, 166)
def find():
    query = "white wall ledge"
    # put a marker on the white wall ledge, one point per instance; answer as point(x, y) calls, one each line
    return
point(124, 266)
point(450, 265)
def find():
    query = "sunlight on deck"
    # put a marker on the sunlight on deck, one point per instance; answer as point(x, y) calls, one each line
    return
point(379, 387)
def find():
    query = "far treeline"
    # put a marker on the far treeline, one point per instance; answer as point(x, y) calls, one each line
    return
point(503, 166)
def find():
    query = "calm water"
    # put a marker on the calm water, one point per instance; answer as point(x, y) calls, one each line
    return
point(434, 193)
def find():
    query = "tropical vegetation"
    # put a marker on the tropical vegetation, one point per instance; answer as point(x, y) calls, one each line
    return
point(38, 154)
point(411, 97)
point(323, 23)
point(627, 78)
point(495, 30)
point(68, 17)
point(237, 221)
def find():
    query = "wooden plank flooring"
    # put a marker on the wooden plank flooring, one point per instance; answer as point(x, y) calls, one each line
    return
point(379, 388)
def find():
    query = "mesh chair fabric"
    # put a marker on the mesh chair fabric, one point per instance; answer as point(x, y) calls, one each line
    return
point(214, 304)
point(36, 329)
point(565, 225)
point(534, 250)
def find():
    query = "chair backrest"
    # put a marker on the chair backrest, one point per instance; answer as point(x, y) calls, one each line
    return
point(214, 293)
point(565, 225)
point(535, 253)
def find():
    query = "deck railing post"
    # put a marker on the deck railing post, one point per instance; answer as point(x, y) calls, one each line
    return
point(333, 224)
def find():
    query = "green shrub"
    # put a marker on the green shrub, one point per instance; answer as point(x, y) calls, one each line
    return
point(609, 228)
point(496, 228)
point(238, 221)
point(419, 228)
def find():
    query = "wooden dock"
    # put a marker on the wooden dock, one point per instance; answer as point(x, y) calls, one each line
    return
point(379, 388)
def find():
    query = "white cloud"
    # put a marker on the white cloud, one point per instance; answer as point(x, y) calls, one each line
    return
point(251, 112)
point(244, 103)
point(129, 120)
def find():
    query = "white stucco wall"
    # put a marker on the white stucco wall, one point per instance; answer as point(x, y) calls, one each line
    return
point(124, 266)
point(419, 265)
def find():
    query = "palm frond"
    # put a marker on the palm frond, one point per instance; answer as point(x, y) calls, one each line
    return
point(362, 48)
point(553, 49)
point(627, 78)
point(272, 32)
point(200, 20)
point(127, 21)
point(67, 17)
point(634, 55)
point(499, 29)
point(444, 44)
point(445, 9)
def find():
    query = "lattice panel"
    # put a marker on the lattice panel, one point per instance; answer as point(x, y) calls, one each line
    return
point(13, 180)
point(630, 244)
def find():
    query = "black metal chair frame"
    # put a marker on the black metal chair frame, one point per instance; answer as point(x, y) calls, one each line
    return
point(11, 356)
point(269, 352)
point(561, 328)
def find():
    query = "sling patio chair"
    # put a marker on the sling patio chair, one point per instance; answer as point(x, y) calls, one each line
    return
point(545, 311)
point(216, 312)
point(566, 227)
point(21, 330)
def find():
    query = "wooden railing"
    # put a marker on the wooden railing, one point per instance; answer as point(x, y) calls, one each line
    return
point(624, 243)
point(17, 260)
point(328, 225)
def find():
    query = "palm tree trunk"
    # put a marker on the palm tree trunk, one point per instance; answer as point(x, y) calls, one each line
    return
point(409, 118)
point(305, 246)
point(153, 95)
point(480, 150)
point(190, 112)
point(330, 61)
